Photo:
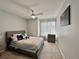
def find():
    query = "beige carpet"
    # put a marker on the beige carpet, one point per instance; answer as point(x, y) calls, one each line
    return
point(49, 51)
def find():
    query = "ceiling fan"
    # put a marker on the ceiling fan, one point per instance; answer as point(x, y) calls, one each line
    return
point(33, 14)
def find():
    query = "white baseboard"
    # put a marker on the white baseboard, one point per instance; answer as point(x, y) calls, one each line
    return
point(61, 53)
point(60, 50)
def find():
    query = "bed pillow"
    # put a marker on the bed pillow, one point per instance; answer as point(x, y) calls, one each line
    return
point(13, 38)
point(15, 35)
point(19, 37)
point(24, 35)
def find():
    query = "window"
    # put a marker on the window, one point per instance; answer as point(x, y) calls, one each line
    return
point(47, 27)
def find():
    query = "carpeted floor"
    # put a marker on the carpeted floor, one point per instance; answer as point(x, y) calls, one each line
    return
point(49, 51)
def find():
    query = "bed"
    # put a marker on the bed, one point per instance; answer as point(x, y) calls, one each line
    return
point(31, 46)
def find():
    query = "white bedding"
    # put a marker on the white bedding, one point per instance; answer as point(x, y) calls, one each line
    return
point(31, 44)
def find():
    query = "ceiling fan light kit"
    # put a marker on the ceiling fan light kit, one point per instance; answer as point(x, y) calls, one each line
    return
point(33, 16)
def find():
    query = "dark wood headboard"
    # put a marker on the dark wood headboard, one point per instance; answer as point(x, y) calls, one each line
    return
point(8, 34)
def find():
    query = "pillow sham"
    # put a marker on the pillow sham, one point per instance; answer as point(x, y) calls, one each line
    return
point(13, 38)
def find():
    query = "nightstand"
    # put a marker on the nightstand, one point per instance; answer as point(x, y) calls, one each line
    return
point(51, 38)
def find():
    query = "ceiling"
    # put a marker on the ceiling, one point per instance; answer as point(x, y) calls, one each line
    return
point(21, 8)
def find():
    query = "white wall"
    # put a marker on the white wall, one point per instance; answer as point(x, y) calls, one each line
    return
point(68, 36)
point(32, 27)
point(9, 22)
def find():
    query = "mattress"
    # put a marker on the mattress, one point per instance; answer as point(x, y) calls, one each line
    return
point(32, 44)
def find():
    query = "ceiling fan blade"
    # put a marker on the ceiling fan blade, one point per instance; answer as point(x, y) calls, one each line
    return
point(39, 13)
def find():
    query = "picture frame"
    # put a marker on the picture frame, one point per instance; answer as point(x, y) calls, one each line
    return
point(65, 18)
